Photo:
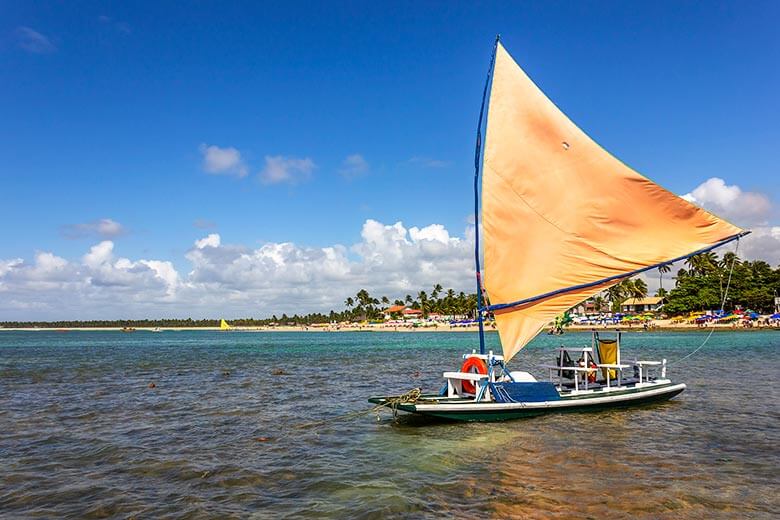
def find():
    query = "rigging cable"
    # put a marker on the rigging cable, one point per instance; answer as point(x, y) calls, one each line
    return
point(722, 308)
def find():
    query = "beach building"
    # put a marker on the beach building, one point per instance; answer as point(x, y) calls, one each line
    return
point(646, 304)
point(412, 313)
point(586, 307)
point(393, 309)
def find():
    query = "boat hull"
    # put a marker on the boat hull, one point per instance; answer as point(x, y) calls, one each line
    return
point(467, 410)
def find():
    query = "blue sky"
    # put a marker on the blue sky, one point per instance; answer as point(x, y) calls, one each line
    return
point(364, 110)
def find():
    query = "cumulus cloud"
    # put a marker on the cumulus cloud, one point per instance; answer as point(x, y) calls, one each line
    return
point(353, 166)
point(212, 240)
point(747, 209)
point(291, 170)
point(223, 161)
point(731, 202)
point(102, 228)
point(762, 244)
point(229, 279)
point(34, 42)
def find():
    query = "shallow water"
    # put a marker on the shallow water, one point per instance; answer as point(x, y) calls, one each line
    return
point(82, 435)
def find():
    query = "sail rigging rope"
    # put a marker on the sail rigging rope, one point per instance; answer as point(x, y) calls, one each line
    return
point(724, 295)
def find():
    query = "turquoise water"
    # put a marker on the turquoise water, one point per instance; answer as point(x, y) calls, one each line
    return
point(82, 434)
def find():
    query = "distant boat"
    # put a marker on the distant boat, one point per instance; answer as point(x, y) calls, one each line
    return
point(128, 329)
point(156, 329)
point(562, 221)
point(225, 326)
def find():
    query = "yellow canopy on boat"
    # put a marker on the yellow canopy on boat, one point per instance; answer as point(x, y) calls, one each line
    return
point(562, 218)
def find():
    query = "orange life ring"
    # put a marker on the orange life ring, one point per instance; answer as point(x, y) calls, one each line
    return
point(473, 365)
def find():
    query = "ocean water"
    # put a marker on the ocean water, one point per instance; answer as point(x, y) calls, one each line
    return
point(251, 425)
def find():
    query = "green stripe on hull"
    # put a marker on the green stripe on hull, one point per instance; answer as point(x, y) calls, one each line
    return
point(489, 415)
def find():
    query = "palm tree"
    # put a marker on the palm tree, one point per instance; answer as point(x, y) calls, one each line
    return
point(728, 260)
point(639, 288)
point(665, 268)
point(702, 263)
point(450, 301)
point(615, 296)
point(423, 297)
point(349, 302)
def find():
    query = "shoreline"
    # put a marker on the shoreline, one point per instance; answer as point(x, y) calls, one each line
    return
point(659, 327)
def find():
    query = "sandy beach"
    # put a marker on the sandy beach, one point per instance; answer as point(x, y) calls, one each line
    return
point(654, 326)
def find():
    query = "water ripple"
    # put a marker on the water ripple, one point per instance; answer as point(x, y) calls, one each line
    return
point(203, 425)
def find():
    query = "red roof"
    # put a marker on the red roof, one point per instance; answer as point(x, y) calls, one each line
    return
point(395, 308)
point(412, 311)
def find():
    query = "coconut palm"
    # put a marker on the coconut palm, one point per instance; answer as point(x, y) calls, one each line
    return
point(665, 268)
point(423, 299)
point(703, 263)
point(639, 288)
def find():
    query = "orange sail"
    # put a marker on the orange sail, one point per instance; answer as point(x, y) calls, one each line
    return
point(562, 218)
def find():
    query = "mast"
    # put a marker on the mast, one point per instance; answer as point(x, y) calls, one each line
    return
point(477, 162)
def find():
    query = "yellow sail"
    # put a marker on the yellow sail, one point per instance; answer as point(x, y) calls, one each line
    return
point(562, 218)
point(223, 325)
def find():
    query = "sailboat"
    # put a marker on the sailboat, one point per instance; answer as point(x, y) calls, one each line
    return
point(224, 326)
point(562, 220)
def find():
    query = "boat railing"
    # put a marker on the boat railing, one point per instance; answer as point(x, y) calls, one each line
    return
point(644, 368)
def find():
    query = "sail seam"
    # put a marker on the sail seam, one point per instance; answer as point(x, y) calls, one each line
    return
point(519, 196)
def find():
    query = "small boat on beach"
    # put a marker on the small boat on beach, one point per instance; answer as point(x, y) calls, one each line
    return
point(561, 220)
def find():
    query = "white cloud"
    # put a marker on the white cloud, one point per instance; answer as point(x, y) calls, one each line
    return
point(731, 202)
point(102, 228)
point(280, 277)
point(32, 41)
point(762, 244)
point(235, 280)
point(7, 265)
point(223, 161)
point(354, 166)
point(748, 209)
point(291, 170)
point(212, 240)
